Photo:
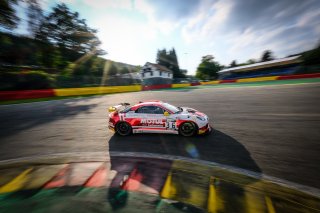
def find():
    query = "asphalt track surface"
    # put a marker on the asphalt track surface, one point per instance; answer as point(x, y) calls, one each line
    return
point(272, 130)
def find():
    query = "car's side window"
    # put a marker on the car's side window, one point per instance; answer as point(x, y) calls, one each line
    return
point(158, 110)
point(126, 110)
point(144, 110)
point(150, 110)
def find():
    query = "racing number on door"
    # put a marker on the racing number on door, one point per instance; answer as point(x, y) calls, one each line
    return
point(171, 125)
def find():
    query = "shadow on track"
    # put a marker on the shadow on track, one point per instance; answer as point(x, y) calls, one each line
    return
point(27, 116)
point(215, 147)
point(186, 178)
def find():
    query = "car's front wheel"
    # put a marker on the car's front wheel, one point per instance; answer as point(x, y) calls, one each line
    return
point(187, 129)
point(123, 128)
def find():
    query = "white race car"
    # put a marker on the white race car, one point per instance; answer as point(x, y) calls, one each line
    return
point(157, 117)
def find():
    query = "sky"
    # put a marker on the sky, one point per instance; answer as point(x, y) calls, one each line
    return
point(132, 31)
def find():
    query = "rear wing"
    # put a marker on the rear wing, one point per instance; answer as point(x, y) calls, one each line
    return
point(118, 107)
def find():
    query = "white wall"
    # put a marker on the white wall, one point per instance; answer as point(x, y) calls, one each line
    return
point(155, 73)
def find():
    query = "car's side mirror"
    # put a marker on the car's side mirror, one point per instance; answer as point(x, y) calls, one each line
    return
point(111, 109)
point(166, 113)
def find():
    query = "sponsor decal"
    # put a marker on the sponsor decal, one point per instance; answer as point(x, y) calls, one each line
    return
point(147, 116)
point(152, 121)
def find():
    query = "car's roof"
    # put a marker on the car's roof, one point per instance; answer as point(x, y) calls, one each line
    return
point(147, 103)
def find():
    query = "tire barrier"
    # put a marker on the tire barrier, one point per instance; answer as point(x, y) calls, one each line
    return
point(154, 87)
point(209, 82)
point(46, 93)
point(313, 75)
point(26, 94)
point(195, 84)
point(227, 81)
point(269, 78)
point(260, 79)
point(180, 85)
point(96, 90)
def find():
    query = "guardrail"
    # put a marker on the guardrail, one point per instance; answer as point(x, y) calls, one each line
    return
point(46, 93)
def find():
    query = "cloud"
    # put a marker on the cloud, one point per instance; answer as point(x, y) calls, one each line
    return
point(309, 19)
point(229, 29)
point(167, 15)
point(208, 21)
point(109, 4)
point(248, 27)
point(261, 14)
point(172, 10)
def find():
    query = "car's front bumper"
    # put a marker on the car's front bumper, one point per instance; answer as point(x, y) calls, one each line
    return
point(111, 126)
point(205, 130)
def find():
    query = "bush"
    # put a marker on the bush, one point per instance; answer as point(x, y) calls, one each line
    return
point(26, 80)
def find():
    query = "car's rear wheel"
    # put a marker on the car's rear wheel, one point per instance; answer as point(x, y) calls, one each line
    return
point(123, 128)
point(187, 129)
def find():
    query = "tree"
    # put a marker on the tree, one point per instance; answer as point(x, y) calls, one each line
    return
point(66, 30)
point(312, 57)
point(51, 57)
point(124, 70)
point(169, 60)
point(113, 70)
point(251, 61)
point(183, 71)
point(267, 56)
point(35, 16)
point(233, 63)
point(208, 68)
point(8, 18)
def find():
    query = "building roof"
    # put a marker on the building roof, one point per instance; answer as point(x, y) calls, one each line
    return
point(267, 64)
point(160, 67)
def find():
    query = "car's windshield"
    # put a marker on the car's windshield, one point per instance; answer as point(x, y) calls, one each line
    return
point(172, 108)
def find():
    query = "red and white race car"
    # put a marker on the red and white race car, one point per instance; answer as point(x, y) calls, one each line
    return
point(157, 117)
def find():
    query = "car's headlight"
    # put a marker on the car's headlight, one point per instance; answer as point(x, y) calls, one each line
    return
point(201, 118)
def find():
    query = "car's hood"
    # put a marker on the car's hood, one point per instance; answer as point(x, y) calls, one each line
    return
point(188, 110)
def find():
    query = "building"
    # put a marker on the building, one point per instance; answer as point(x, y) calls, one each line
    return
point(283, 66)
point(155, 74)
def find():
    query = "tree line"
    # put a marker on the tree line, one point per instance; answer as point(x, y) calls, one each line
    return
point(61, 42)
point(208, 68)
point(55, 40)
point(267, 55)
point(59, 45)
